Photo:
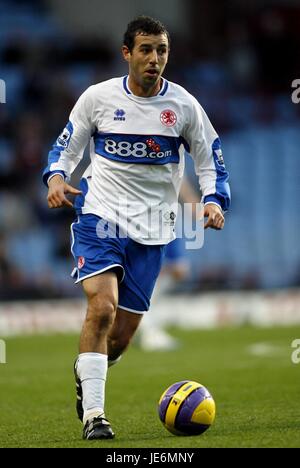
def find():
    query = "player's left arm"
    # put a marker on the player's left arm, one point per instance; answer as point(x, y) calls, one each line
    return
point(205, 149)
point(214, 215)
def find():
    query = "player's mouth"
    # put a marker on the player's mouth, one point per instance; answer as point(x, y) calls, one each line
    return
point(153, 72)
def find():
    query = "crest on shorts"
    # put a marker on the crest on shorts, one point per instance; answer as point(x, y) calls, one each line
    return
point(168, 118)
point(81, 262)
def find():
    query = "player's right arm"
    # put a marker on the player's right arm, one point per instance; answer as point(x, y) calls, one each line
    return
point(58, 189)
point(68, 151)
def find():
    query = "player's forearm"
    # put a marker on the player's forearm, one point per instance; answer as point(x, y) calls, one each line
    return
point(215, 188)
point(55, 179)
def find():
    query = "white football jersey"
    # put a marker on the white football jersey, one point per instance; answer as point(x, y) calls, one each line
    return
point(137, 148)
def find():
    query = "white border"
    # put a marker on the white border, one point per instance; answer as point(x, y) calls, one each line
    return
point(212, 203)
point(131, 310)
point(99, 272)
point(75, 270)
point(53, 175)
point(73, 237)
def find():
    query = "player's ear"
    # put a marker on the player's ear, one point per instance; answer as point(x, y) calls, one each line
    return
point(126, 53)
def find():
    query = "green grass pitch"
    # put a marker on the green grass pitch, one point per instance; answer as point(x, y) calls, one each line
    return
point(256, 390)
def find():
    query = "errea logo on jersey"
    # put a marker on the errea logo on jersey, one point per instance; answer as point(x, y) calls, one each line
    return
point(150, 149)
point(120, 115)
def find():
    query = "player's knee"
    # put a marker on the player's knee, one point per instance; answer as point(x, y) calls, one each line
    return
point(102, 310)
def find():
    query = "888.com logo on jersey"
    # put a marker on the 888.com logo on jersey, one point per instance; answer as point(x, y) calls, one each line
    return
point(150, 149)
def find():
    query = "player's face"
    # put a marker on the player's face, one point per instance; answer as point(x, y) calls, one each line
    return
point(148, 59)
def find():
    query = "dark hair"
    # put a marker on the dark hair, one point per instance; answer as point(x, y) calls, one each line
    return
point(146, 25)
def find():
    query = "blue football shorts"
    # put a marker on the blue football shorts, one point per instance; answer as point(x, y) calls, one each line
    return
point(136, 265)
point(175, 252)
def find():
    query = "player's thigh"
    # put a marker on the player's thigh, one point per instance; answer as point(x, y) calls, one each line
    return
point(142, 267)
point(102, 287)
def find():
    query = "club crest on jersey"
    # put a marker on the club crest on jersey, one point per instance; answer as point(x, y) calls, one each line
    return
point(120, 115)
point(168, 118)
point(81, 262)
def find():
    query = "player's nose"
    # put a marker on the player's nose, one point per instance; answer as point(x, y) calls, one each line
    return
point(154, 57)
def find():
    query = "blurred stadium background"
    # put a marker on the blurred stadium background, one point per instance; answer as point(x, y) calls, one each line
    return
point(239, 59)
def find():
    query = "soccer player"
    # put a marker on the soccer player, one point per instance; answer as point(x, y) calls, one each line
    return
point(138, 127)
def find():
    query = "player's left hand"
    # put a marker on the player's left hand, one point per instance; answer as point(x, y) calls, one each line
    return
point(214, 215)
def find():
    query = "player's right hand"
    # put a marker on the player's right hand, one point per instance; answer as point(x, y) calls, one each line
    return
point(58, 189)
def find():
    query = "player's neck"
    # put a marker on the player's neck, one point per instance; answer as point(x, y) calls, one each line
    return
point(139, 91)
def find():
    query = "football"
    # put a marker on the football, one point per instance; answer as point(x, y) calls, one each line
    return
point(186, 408)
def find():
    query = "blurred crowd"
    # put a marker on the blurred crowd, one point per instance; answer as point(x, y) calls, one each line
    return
point(245, 87)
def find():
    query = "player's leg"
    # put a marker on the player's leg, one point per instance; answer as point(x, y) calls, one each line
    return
point(91, 367)
point(102, 296)
point(142, 267)
point(152, 335)
point(121, 333)
point(98, 266)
